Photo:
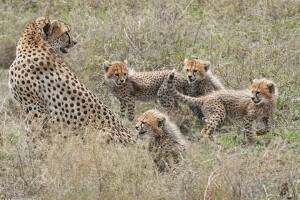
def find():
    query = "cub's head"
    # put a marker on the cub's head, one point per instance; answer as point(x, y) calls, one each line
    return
point(196, 69)
point(150, 122)
point(57, 34)
point(116, 71)
point(263, 91)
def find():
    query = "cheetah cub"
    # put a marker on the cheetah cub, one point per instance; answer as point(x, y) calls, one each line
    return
point(201, 81)
point(129, 86)
point(221, 107)
point(166, 144)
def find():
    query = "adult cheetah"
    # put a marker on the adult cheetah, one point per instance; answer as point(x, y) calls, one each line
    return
point(48, 91)
point(166, 144)
point(223, 106)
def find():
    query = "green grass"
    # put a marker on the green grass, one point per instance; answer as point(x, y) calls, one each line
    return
point(242, 39)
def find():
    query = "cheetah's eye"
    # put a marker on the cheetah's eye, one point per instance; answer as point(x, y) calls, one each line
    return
point(187, 70)
point(125, 74)
point(195, 71)
point(117, 74)
point(257, 92)
point(145, 123)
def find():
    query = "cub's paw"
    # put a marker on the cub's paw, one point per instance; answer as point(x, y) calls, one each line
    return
point(261, 132)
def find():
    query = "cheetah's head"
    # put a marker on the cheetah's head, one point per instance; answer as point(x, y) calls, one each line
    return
point(196, 69)
point(116, 71)
point(57, 34)
point(150, 123)
point(263, 91)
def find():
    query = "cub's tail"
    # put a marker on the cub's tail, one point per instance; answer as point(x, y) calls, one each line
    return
point(191, 101)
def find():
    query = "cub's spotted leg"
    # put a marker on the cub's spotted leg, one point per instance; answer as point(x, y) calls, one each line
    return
point(161, 163)
point(248, 125)
point(213, 124)
point(131, 108)
point(267, 126)
point(123, 106)
point(216, 116)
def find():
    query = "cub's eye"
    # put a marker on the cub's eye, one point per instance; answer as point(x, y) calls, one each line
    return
point(125, 74)
point(145, 123)
point(187, 70)
point(257, 92)
point(116, 74)
point(195, 71)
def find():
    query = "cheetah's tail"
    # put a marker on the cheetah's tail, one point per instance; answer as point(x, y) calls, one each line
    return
point(191, 101)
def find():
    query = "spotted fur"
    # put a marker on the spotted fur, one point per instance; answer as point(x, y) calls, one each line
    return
point(166, 144)
point(223, 106)
point(48, 91)
point(140, 86)
point(201, 80)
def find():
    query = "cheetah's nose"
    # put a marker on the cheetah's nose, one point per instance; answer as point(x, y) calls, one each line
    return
point(137, 127)
point(74, 42)
point(252, 98)
point(122, 81)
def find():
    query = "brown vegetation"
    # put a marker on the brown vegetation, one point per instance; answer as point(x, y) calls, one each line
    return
point(242, 39)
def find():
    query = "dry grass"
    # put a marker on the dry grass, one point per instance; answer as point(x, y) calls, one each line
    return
point(242, 39)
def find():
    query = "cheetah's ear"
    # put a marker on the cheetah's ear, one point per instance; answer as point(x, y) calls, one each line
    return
point(106, 65)
point(48, 28)
point(161, 122)
point(125, 61)
point(207, 66)
point(253, 81)
point(271, 87)
point(185, 61)
point(40, 19)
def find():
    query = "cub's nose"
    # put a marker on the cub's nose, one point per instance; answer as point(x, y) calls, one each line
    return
point(137, 127)
point(252, 98)
point(74, 42)
point(122, 81)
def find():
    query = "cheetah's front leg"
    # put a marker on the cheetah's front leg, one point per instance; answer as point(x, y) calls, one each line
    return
point(131, 109)
point(267, 126)
point(123, 106)
point(216, 116)
point(208, 130)
point(248, 125)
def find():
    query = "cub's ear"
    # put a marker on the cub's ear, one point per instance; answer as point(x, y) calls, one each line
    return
point(185, 61)
point(48, 28)
point(40, 19)
point(161, 122)
point(253, 81)
point(207, 66)
point(125, 61)
point(106, 65)
point(271, 88)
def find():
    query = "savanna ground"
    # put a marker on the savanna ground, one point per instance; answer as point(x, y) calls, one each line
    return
point(242, 39)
